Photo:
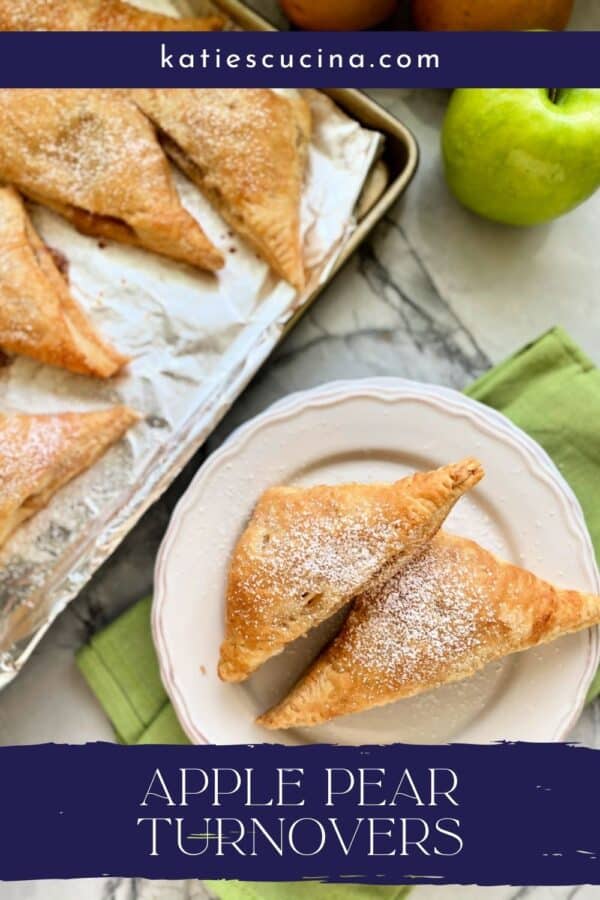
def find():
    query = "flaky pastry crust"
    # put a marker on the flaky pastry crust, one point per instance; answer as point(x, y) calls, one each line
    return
point(93, 157)
point(308, 551)
point(451, 611)
point(246, 150)
point(38, 316)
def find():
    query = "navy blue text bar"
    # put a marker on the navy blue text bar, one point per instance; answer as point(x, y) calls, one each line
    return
point(300, 59)
point(462, 814)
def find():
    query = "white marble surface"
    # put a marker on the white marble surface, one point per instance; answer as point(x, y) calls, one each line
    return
point(436, 294)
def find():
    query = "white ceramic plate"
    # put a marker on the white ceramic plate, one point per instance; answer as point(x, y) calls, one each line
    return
point(370, 430)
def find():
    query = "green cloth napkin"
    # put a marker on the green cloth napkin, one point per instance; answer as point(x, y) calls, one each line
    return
point(550, 389)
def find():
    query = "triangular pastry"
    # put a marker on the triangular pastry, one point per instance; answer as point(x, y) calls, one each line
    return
point(94, 15)
point(41, 453)
point(38, 316)
point(307, 551)
point(94, 158)
point(451, 611)
point(246, 150)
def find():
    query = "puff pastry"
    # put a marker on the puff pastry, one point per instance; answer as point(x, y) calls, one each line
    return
point(246, 150)
point(307, 551)
point(39, 454)
point(93, 157)
point(38, 316)
point(451, 611)
point(93, 15)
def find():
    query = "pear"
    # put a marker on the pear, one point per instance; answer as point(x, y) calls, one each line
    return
point(491, 15)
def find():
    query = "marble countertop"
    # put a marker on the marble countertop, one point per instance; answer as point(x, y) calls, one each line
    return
point(436, 295)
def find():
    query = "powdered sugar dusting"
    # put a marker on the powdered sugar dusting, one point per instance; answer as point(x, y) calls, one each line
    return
point(423, 619)
point(329, 550)
point(74, 150)
point(33, 439)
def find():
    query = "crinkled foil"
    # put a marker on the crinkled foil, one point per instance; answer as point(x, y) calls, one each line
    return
point(195, 340)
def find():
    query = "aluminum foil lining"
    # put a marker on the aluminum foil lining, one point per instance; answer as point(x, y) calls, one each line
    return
point(195, 340)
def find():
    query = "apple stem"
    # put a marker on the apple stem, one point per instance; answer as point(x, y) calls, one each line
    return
point(553, 93)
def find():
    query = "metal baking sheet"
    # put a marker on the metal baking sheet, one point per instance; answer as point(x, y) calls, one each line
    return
point(196, 343)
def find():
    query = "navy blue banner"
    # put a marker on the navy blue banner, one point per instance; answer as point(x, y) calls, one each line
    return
point(301, 59)
point(462, 814)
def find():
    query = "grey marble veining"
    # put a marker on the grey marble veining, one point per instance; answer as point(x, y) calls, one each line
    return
point(435, 295)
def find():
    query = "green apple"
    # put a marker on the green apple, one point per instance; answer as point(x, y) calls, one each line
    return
point(522, 155)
